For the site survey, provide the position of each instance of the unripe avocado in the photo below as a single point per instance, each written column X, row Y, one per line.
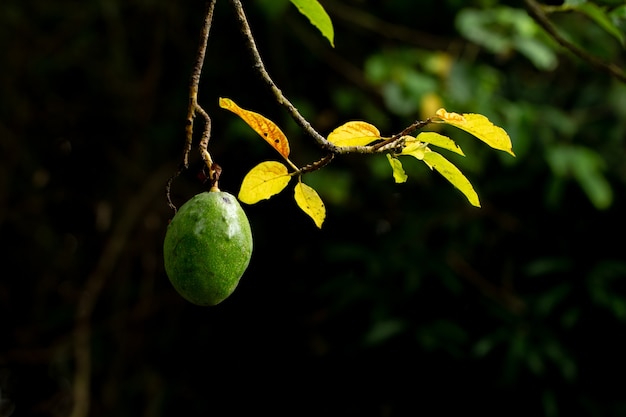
column 207, row 247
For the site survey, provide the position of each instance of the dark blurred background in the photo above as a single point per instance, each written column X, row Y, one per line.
column 408, row 301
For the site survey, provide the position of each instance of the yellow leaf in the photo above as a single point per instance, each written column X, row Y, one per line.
column 398, row 172
column 452, row 174
column 262, row 125
column 415, row 148
column 354, row 133
column 263, row 181
column 449, row 117
column 310, row 202
column 479, row 126
column 441, row 141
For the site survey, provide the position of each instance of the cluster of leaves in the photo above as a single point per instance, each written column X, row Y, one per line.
column 610, row 15
column 271, row 177
column 503, row 29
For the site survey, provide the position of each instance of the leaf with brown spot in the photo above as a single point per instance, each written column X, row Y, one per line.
column 267, row 129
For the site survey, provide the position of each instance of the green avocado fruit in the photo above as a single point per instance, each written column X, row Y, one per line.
column 207, row 247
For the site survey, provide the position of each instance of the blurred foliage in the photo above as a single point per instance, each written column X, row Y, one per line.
column 406, row 300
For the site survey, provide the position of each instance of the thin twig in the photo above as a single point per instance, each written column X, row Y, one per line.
column 536, row 12
column 194, row 108
column 282, row 100
column 280, row 97
column 385, row 146
column 194, row 87
column 414, row 126
column 500, row 295
column 325, row 160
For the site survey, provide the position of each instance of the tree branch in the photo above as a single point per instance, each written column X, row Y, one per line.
column 193, row 92
column 536, row 12
column 194, row 108
column 391, row 142
column 282, row 100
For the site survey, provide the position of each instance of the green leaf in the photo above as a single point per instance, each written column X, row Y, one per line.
column 314, row 11
column 310, row 202
column 398, row 172
column 263, row 181
column 574, row 3
column 503, row 29
column 600, row 16
column 586, row 166
column 452, row 174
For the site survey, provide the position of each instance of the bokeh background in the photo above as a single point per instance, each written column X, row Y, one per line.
column 407, row 302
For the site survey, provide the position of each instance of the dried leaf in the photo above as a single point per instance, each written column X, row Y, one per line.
column 267, row 129
column 479, row 126
column 354, row 133
column 310, row 202
column 263, row 181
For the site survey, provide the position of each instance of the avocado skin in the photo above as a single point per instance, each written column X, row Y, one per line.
column 207, row 247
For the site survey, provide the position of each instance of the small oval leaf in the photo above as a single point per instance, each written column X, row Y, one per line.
column 263, row 181
column 310, row 202
column 354, row 133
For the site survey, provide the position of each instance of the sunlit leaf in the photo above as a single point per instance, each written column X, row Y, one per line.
column 452, row 174
column 354, row 133
column 398, row 172
column 440, row 141
column 262, row 125
column 479, row 126
column 314, row 11
column 263, row 181
column 415, row 148
column 310, row 202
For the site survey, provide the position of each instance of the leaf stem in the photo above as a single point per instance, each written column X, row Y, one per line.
column 395, row 139
column 316, row 165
